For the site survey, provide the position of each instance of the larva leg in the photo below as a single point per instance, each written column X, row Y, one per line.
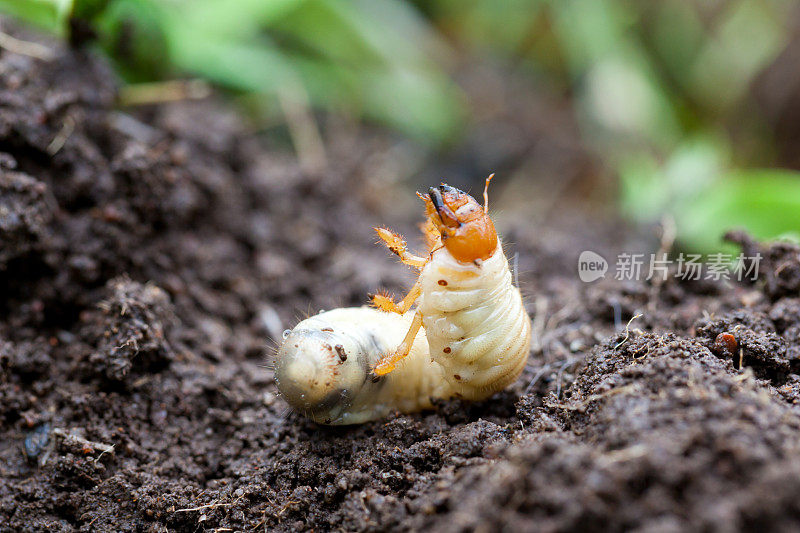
column 386, row 303
column 387, row 364
column 430, row 234
column 396, row 244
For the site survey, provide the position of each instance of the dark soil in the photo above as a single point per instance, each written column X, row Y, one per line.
column 147, row 259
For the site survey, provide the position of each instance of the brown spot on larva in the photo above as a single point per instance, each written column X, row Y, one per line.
column 327, row 347
column 458, row 378
column 327, row 329
column 443, row 282
column 447, row 349
column 296, row 345
column 342, row 354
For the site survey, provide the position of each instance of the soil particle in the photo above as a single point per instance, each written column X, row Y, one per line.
column 24, row 213
column 129, row 326
column 757, row 343
column 779, row 263
column 785, row 313
column 792, row 338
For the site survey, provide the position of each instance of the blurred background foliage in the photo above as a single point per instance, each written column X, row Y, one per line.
column 671, row 95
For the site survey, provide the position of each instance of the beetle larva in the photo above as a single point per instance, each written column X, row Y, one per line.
column 350, row 365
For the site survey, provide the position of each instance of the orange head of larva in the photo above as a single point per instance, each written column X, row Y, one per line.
column 466, row 229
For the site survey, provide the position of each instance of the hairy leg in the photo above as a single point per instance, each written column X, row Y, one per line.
column 388, row 363
column 431, row 235
column 386, row 303
column 398, row 245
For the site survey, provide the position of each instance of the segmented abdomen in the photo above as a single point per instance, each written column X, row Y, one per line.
column 475, row 322
column 324, row 367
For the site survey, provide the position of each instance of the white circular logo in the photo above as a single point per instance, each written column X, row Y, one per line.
column 591, row 266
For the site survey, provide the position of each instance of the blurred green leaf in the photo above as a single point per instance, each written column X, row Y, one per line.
column 48, row 14
column 241, row 20
column 500, row 26
column 678, row 35
column 746, row 38
column 623, row 101
column 377, row 58
column 131, row 33
column 650, row 188
column 765, row 202
column 589, row 30
column 625, row 107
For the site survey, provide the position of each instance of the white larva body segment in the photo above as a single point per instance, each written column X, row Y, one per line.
column 475, row 322
column 324, row 367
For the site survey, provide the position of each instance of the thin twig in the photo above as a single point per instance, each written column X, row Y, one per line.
column 539, row 323
column 104, row 448
column 627, row 331
column 549, row 366
column 564, row 366
column 25, row 48
column 163, row 91
column 536, row 377
column 61, row 137
column 668, row 234
column 303, row 127
column 594, row 397
column 206, row 506
column 617, row 314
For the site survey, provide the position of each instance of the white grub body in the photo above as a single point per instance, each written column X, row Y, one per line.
column 475, row 342
column 324, row 367
column 476, row 325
